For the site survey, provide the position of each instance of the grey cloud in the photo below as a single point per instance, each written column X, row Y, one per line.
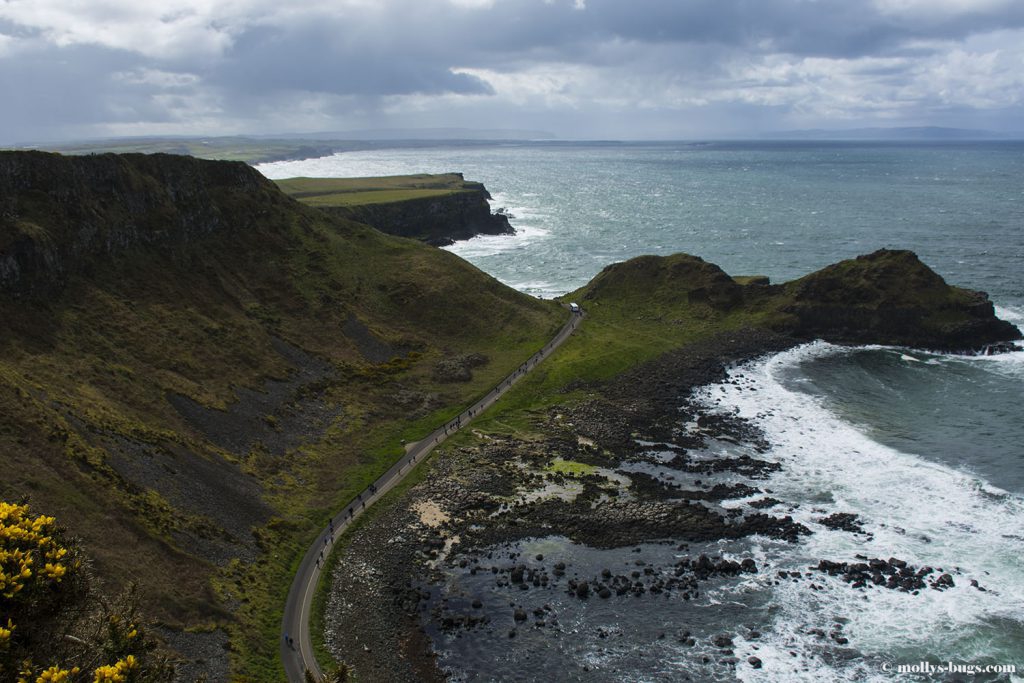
column 355, row 61
column 56, row 88
column 837, row 28
column 325, row 59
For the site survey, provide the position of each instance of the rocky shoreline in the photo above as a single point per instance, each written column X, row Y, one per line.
column 581, row 480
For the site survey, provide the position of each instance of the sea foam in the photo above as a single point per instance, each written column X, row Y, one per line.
column 913, row 509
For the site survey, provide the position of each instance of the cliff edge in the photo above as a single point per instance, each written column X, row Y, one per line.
column 436, row 209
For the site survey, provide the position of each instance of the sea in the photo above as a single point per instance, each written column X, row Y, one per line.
column 927, row 449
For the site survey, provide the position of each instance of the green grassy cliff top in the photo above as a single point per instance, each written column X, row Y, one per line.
column 326, row 192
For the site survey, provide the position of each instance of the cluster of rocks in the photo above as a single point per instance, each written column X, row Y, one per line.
column 684, row 576
column 835, row 634
column 458, row 368
column 843, row 521
column 893, row 573
column 724, row 642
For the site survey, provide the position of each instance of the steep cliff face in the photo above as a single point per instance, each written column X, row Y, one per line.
column 59, row 214
column 438, row 220
column 433, row 208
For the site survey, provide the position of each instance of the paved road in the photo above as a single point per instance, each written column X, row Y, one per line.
column 297, row 656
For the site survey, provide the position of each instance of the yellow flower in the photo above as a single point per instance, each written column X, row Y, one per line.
column 55, row 571
column 55, row 674
column 108, row 673
column 115, row 673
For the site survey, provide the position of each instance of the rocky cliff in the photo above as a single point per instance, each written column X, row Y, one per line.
column 60, row 214
column 438, row 220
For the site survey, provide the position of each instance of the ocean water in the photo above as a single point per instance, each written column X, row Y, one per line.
column 926, row 449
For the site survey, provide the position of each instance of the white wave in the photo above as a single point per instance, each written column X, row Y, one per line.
column 366, row 164
column 1010, row 314
column 919, row 511
column 490, row 245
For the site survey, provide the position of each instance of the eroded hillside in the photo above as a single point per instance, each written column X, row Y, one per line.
column 195, row 369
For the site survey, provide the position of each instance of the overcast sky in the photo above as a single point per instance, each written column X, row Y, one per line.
column 577, row 68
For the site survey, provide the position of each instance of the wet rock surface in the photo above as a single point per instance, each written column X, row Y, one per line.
column 893, row 573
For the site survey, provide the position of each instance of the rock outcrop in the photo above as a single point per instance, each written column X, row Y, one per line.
column 887, row 297
column 891, row 297
column 438, row 220
column 679, row 277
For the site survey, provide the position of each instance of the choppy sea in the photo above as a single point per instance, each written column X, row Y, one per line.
column 926, row 449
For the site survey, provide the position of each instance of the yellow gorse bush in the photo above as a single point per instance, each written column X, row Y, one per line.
column 5, row 633
column 40, row 576
column 25, row 544
column 55, row 674
column 30, row 563
column 118, row 672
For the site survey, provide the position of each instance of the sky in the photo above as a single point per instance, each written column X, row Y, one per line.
column 578, row 69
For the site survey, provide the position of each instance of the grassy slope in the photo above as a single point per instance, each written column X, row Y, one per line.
column 636, row 311
column 92, row 366
column 326, row 192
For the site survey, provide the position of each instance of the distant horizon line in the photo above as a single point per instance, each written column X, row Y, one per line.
column 863, row 134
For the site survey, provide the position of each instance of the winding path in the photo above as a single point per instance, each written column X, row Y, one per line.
column 298, row 656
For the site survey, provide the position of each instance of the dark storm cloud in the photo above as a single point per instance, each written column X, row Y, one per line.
column 835, row 28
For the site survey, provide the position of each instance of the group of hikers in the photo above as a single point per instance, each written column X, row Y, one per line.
column 450, row 427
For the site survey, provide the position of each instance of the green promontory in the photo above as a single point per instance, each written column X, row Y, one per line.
column 887, row 297
column 436, row 209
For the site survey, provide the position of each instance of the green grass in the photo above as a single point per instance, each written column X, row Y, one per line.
column 570, row 467
column 329, row 192
column 750, row 279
